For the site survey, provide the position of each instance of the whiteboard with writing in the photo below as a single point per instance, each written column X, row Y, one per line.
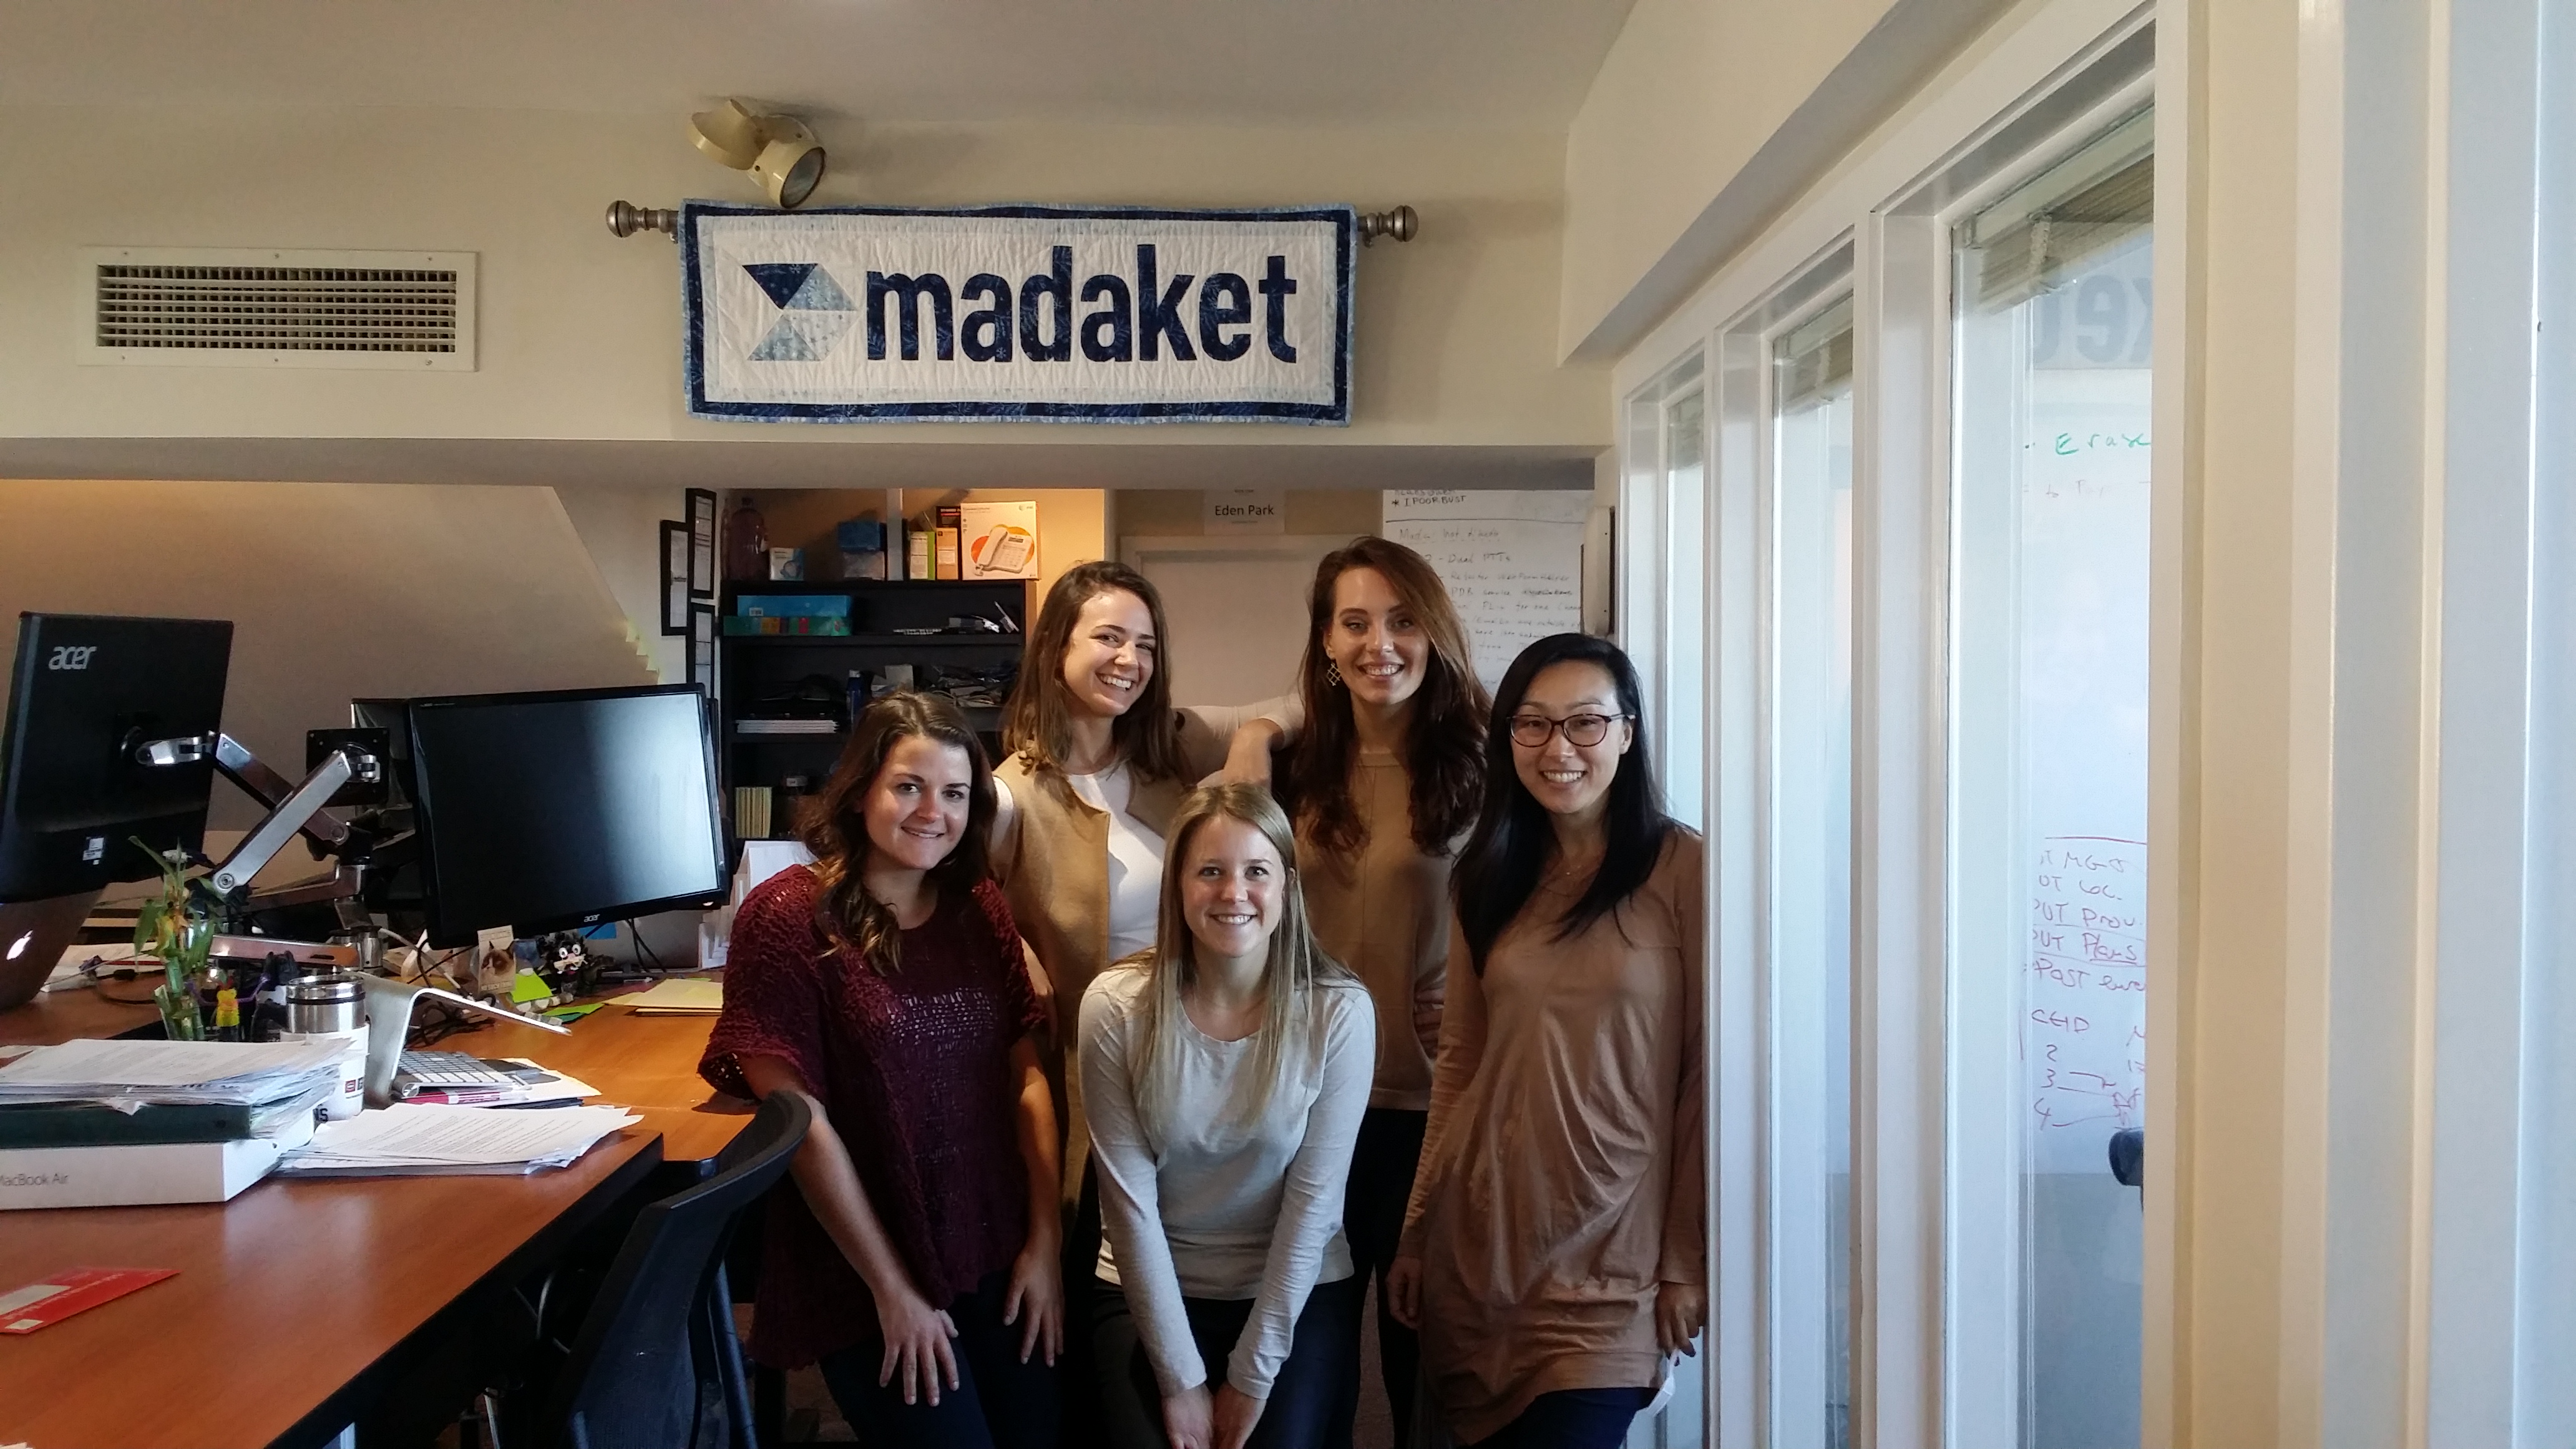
column 2083, row 673
column 1512, row 561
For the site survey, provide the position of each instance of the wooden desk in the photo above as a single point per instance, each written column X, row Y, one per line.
column 647, row 1063
column 292, row 1305
column 61, row 1016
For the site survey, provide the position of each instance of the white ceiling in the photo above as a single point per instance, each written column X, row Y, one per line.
column 1502, row 64
column 833, row 460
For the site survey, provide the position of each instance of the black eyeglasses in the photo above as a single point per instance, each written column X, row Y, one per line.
column 1530, row 731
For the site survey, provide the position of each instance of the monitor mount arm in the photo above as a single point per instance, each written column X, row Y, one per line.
column 294, row 809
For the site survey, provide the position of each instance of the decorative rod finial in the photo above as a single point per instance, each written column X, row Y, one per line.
column 1400, row 224
column 625, row 219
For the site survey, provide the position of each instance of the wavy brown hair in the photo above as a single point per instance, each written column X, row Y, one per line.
column 1038, row 720
column 1444, row 752
column 835, row 824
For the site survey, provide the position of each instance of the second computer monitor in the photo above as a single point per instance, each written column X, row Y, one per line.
column 546, row 811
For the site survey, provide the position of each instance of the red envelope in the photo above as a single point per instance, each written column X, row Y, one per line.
column 60, row 1295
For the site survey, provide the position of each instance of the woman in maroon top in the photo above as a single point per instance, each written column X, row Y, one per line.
column 917, row 1259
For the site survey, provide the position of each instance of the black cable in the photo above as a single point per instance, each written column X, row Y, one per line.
column 644, row 953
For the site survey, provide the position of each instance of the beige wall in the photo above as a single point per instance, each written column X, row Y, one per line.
column 335, row 591
column 580, row 330
column 1707, row 118
column 621, row 530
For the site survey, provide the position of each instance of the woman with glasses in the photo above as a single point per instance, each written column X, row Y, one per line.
column 1552, row 1252
column 1383, row 782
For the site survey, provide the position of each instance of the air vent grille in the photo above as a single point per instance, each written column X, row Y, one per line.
column 302, row 309
column 312, row 309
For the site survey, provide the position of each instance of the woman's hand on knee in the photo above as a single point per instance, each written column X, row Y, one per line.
column 1404, row 1292
column 1681, row 1311
column 1188, row 1418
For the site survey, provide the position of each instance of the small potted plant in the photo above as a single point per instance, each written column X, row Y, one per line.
column 177, row 929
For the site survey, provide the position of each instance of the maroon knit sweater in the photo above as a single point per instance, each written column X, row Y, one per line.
column 914, row 1069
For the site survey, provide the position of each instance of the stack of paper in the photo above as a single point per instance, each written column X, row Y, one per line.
column 680, row 996
column 410, row 1140
column 113, row 1123
column 246, row 1074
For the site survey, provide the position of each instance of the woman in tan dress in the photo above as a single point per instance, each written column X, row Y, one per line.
column 1383, row 781
column 1553, row 1254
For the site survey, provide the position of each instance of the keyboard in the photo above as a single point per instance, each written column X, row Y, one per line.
column 448, row 1071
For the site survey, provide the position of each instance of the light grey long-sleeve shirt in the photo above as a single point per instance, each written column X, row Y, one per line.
column 1223, row 1208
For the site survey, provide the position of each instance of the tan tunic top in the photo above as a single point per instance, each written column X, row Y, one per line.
column 1561, row 1181
column 1054, row 868
column 1385, row 914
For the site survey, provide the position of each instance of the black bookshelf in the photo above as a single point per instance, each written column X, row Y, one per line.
column 753, row 671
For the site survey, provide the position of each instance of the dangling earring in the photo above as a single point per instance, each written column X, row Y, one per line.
column 1333, row 673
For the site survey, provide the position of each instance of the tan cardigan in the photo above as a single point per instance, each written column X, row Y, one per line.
column 1384, row 912
column 1561, row 1181
column 1054, row 868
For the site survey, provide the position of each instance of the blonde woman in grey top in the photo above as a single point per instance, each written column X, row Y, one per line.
column 1226, row 1073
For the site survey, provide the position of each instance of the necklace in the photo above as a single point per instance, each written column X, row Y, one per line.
column 1573, row 870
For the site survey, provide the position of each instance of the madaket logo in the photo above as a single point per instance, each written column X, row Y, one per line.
column 71, row 656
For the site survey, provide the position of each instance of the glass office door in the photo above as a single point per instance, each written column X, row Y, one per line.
column 2048, row 795
column 1807, row 879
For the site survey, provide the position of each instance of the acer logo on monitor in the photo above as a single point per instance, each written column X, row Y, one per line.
column 71, row 656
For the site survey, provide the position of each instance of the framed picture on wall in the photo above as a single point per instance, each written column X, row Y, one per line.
column 702, row 543
column 702, row 648
column 675, row 577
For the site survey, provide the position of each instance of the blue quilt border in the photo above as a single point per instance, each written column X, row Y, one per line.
column 1336, row 413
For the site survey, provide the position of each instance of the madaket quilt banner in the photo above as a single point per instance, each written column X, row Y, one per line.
column 1056, row 313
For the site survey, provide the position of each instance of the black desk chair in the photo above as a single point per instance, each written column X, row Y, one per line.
column 662, row 1324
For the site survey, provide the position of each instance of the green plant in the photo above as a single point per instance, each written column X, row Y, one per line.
column 177, row 929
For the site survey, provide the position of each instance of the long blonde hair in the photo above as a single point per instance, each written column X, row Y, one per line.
column 1293, row 979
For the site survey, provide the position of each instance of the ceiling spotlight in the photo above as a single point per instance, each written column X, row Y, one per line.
column 780, row 152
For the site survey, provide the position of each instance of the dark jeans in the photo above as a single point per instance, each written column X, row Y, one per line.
column 1572, row 1419
column 1314, row 1389
column 999, row 1402
column 1080, row 1379
column 1382, row 1164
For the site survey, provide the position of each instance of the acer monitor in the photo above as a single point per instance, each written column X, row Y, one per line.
column 87, row 694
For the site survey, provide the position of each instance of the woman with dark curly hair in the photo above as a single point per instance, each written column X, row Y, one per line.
column 918, row 1259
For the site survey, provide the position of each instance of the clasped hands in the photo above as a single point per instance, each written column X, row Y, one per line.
column 1197, row 1419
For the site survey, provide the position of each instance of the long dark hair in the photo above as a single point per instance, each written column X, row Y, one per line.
column 1445, row 750
column 836, row 827
column 1498, row 872
column 1037, row 722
